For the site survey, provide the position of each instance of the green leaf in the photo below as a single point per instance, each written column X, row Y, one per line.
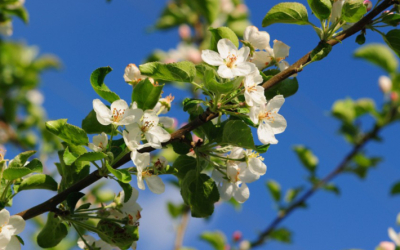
column 67, row 132
column 274, row 189
column 92, row 126
column 174, row 72
column 321, row 8
column 91, row 156
column 15, row 173
column 20, row 160
column 392, row 39
column 68, row 157
column 38, row 181
column 344, row 110
column 216, row 239
column 307, row 158
column 52, row 233
column 209, row 9
column 122, row 175
column 127, row 190
column 353, row 10
column 35, row 166
column 282, row 235
column 287, row 87
column 379, row 55
column 200, row 192
column 330, row 187
column 72, row 199
column 238, row 133
column 360, row 39
column 97, row 81
column 220, row 33
column 184, row 164
column 19, row 12
column 220, row 88
column 294, row 13
column 391, row 18
column 146, row 95
column 292, row 193
column 262, row 148
column 116, row 235
column 321, row 51
column 395, row 189
column 176, row 210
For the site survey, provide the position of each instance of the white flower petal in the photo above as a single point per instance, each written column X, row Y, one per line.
column 14, row 244
column 103, row 120
column 119, row 105
column 226, row 48
column 156, row 185
column 243, row 54
column 131, row 116
column 266, row 134
column 4, row 217
column 217, row 176
column 275, row 104
column 278, row 124
column 256, row 166
column 242, row 193
column 258, row 39
column 140, row 181
column 225, row 72
column 243, row 69
column 89, row 239
column 393, row 236
column 246, row 175
column 141, row 160
column 15, row 225
column 237, row 153
column 211, row 57
column 261, row 59
column 167, row 122
column 226, row 190
column 102, row 110
column 5, row 238
column 254, row 111
column 281, row 50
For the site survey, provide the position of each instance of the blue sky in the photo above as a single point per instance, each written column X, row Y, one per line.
column 89, row 34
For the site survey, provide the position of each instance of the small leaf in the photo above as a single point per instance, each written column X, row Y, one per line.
column 208, row 8
column 122, row 175
column 392, row 38
column 176, row 210
column 127, row 190
column 91, row 156
column 353, row 10
column 174, row 72
column 20, row 160
column 379, row 55
column 35, row 166
column 307, row 158
column 262, row 148
column 360, row 39
column 282, row 235
column 220, row 88
column 331, row 188
column 321, row 8
column 287, row 87
column 321, row 51
column 391, row 18
column 52, row 233
column 97, row 81
column 146, row 95
column 220, row 33
column 67, row 132
column 15, row 173
column 116, row 235
column 184, row 164
column 38, row 181
column 238, row 133
column 274, row 189
column 216, row 239
column 68, row 157
column 292, row 193
column 395, row 189
column 72, row 199
column 293, row 13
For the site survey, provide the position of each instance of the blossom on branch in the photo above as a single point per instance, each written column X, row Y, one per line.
column 10, row 226
column 92, row 242
column 100, row 142
column 257, row 39
column 278, row 53
column 156, row 185
column 119, row 114
column 130, row 209
column 254, row 94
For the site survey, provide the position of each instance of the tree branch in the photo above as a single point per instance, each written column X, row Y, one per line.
column 203, row 118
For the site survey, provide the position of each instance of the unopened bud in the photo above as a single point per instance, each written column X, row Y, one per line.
column 237, row 235
column 368, row 4
column 394, row 97
column 244, row 245
column 385, row 84
column 184, row 32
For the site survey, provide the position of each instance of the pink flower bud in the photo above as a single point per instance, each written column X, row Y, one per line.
column 394, row 96
column 385, row 84
column 368, row 4
column 194, row 56
column 184, row 31
column 386, row 245
column 227, row 247
column 237, row 235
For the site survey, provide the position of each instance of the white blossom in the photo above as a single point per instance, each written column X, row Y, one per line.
column 336, row 10
column 133, row 75
column 130, row 209
column 270, row 122
column 161, row 162
column 395, row 237
column 278, row 53
column 35, row 97
column 254, row 93
column 164, row 105
column 9, row 227
column 91, row 241
column 100, row 142
column 119, row 114
column 385, row 84
column 154, row 182
column 231, row 61
column 257, row 39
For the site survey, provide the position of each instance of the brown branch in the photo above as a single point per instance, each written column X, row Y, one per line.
column 203, row 118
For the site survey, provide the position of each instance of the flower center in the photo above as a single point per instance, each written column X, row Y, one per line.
column 146, row 126
column 254, row 154
column 251, row 88
column 117, row 114
column 146, row 173
column 101, row 145
column 230, row 61
column 266, row 116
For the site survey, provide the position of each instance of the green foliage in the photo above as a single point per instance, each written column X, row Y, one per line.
column 19, row 167
column 287, row 87
column 72, row 199
column 293, row 13
column 208, row 8
column 282, row 235
column 379, row 55
column 216, row 239
column 53, row 232
column 127, row 190
column 97, row 81
column 200, row 193
column 116, row 235
column 38, row 181
column 392, row 19
column 237, row 133
column 274, row 189
column 146, row 95
column 361, row 164
column 173, row 72
column 360, row 39
column 67, row 132
column 92, row 126
column 392, row 39
column 321, row 8
column 292, row 193
column 220, row 33
column 330, row 187
column 184, row 164
column 347, row 110
column 220, row 88
column 122, row 174
column 176, row 210
column 306, row 157
column 321, row 51
column 353, row 10
column 395, row 190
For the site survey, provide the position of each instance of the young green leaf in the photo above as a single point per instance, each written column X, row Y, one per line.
column 287, row 87
column 222, row 32
column 274, row 189
column 395, row 189
column 392, row 39
column 72, row 199
column 52, row 233
column 353, row 10
column 173, row 72
column 321, row 8
column 209, row 9
column 91, row 156
column 220, row 88
column 146, row 95
column 97, row 81
column 113, row 233
column 307, row 158
column 282, row 235
column 127, row 190
column 238, row 133
column 293, row 13
column 321, row 51
column 379, row 55
column 67, row 132
column 184, row 164
column 216, row 239
column 38, row 181
column 122, row 175
column 20, row 160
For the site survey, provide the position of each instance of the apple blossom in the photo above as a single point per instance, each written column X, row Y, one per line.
column 92, row 242
column 385, row 84
column 336, row 12
column 395, row 237
column 164, row 105
column 161, row 162
column 100, row 142
column 278, row 53
column 244, row 245
column 35, row 97
column 254, row 162
column 254, row 94
column 257, row 39
column 231, row 61
column 283, row 65
column 132, row 138
column 154, row 182
column 155, row 135
column 130, row 209
column 184, row 52
column 270, row 122
column 119, row 114
column 9, row 227
column 133, row 75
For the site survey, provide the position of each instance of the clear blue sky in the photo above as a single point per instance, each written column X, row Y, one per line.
column 89, row 34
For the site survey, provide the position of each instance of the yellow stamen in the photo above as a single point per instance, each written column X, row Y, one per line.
column 117, row 114
column 230, row 61
column 255, row 155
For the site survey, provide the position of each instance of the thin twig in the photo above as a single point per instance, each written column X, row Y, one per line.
column 180, row 232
